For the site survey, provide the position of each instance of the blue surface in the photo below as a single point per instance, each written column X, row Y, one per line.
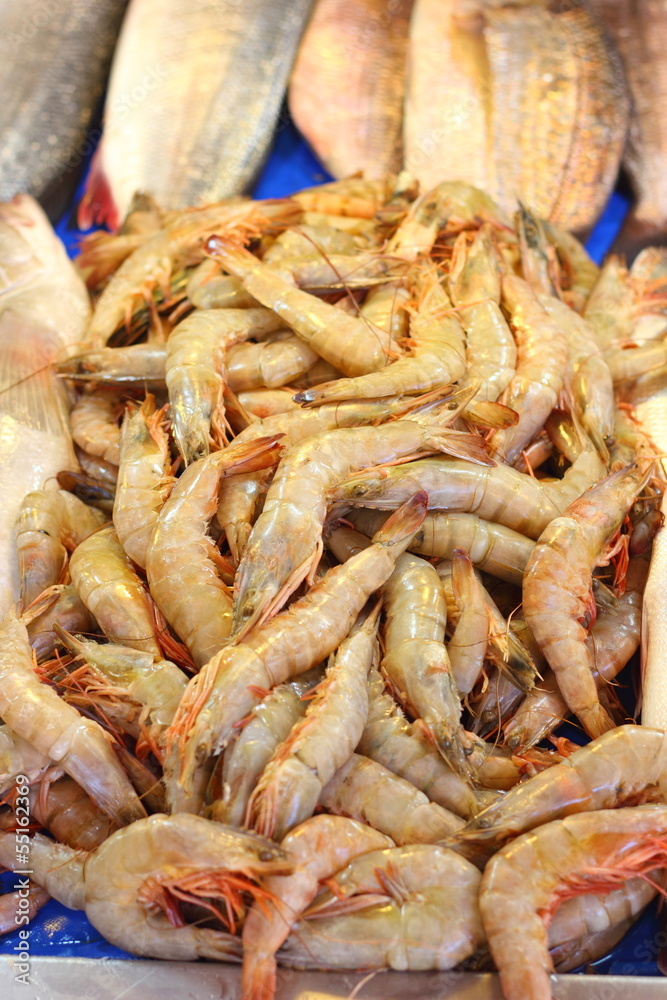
column 58, row 931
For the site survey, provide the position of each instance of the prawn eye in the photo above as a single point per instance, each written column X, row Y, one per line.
column 265, row 855
column 359, row 489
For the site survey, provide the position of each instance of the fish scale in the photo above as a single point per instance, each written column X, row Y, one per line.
column 54, row 58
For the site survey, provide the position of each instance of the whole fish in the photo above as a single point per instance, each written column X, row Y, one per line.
column 446, row 100
column 346, row 89
column 639, row 28
column 560, row 109
column 530, row 102
column 54, row 58
column 44, row 309
column 195, row 93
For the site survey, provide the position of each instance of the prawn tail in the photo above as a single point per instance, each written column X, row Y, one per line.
column 259, row 977
column 235, row 259
column 251, row 456
column 404, row 522
column 484, row 413
column 596, row 720
column 458, row 444
column 516, row 661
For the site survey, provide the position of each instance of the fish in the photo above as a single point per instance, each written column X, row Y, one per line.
column 347, row 86
column 650, row 404
column 446, row 105
column 54, row 61
column 639, row 29
column 44, row 312
column 194, row 96
column 530, row 103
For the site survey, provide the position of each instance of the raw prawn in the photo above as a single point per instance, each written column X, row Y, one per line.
column 35, row 712
column 144, row 482
column 181, row 558
column 292, row 781
column 557, row 601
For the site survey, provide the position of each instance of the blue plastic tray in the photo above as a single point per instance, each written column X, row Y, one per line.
column 59, row 931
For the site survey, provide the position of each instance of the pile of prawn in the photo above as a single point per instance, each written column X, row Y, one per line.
column 363, row 513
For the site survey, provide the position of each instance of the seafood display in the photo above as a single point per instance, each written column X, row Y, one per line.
column 285, row 628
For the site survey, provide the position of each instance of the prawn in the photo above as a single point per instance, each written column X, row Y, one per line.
column 405, row 908
column 447, row 208
column 132, row 886
column 542, row 367
column 268, row 725
column 291, row 783
column 263, row 403
column 34, row 712
column 195, row 367
column 346, row 342
column 614, row 638
column 56, row 867
column 470, row 637
column 403, row 748
column 492, row 547
column 504, row 648
column 144, row 482
column 94, row 424
column 579, row 273
column 157, row 685
column 61, row 604
column 625, row 765
column 495, row 493
column 557, row 602
column 18, row 757
column 368, row 792
column 572, row 856
column 358, row 197
column 269, row 364
column 474, row 285
column 318, row 848
column 240, row 495
column 181, row 558
column 415, row 658
column 69, row 814
column 26, row 901
column 437, row 353
column 593, row 375
column 207, row 288
column 136, row 364
column 113, row 593
column 286, row 541
column 50, row 523
column 224, row 691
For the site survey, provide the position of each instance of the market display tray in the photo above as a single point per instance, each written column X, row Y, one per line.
column 70, row 961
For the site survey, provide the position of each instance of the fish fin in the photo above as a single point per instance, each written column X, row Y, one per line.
column 97, row 204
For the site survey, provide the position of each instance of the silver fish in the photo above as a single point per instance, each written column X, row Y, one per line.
column 195, row 93
column 44, row 310
column 54, row 58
